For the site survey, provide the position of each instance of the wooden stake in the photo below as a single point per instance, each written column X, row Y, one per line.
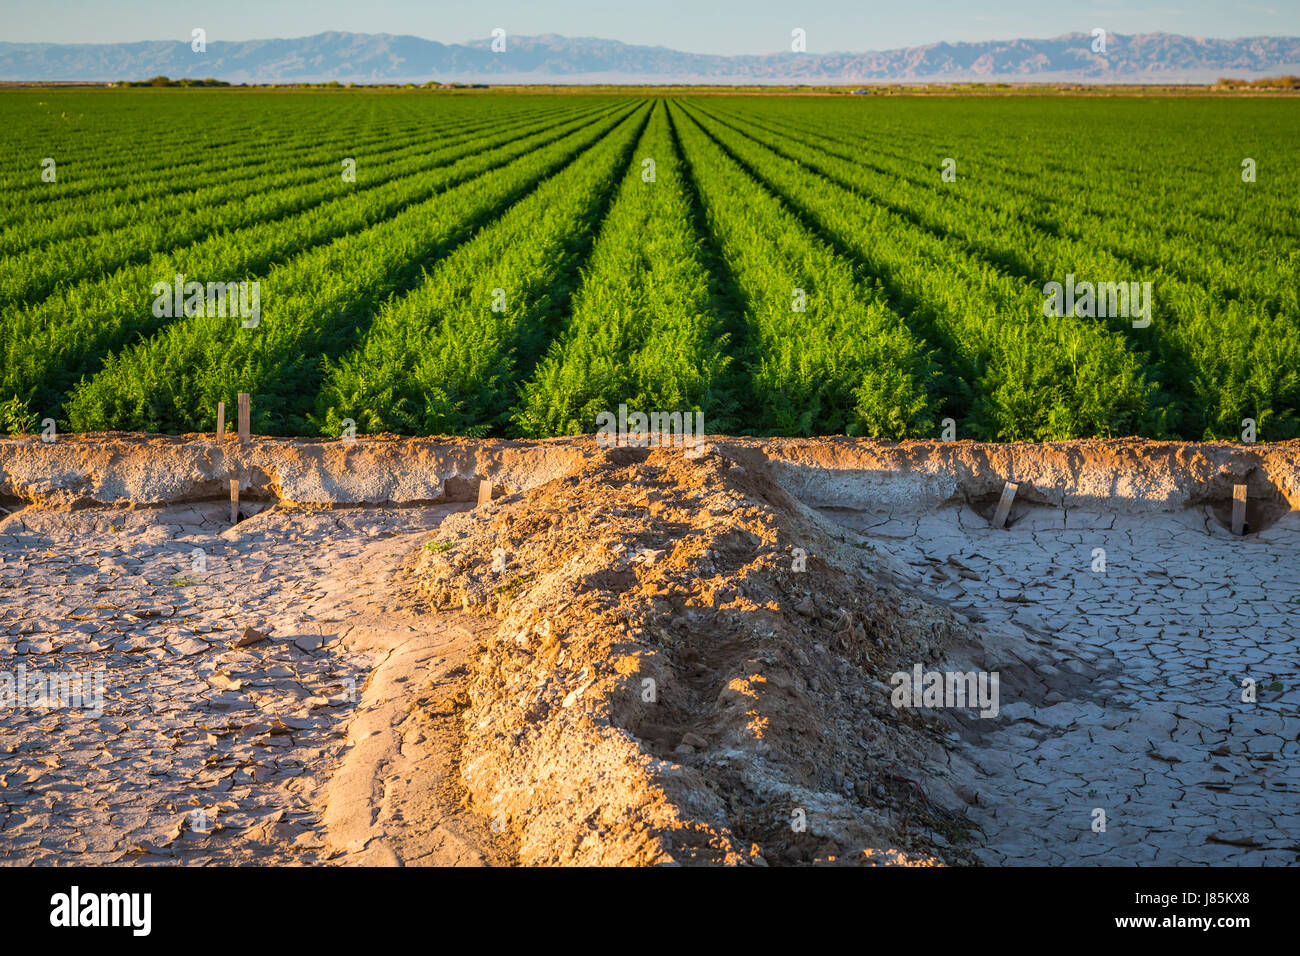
column 1238, row 509
column 234, row 500
column 484, row 492
column 221, row 420
column 1004, row 504
column 244, row 414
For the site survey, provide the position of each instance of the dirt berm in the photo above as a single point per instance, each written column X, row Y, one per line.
column 118, row 468
column 692, row 667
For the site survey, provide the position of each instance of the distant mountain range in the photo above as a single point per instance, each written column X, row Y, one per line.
column 384, row 58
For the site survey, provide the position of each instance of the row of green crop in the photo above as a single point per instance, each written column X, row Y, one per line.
column 317, row 305
column 1151, row 218
column 796, row 266
column 132, row 142
column 99, row 143
column 138, row 176
column 28, row 277
column 1013, row 374
column 1160, row 166
column 975, row 199
column 48, row 347
column 449, row 357
column 1132, row 221
column 1208, row 388
column 645, row 329
column 218, row 184
column 140, row 172
column 825, row 353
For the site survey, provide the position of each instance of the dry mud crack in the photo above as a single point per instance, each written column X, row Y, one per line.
column 647, row 656
column 203, row 751
column 1138, row 707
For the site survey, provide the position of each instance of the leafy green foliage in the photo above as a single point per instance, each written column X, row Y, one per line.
column 449, row 357
column 642, row 330
column 922, row 299
column 16, row 418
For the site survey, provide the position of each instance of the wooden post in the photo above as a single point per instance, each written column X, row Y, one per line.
column 234, row 500
column 1238, row 509
column 221, row 420
column 1004, row 504
column 484, row 492
column 244, row 415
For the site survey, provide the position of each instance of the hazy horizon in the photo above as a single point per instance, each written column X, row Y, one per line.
column 727, row 28
column 565, row 36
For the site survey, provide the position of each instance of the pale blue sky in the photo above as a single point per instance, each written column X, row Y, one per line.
column 700, row 26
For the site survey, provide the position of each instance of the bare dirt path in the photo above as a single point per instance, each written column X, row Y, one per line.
column 207, row 752
column 1162, row 742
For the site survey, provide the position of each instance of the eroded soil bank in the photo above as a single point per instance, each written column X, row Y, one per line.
column 1119, row 474
column 638, row 656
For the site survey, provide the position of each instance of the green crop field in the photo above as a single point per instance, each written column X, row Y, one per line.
column 517, row 264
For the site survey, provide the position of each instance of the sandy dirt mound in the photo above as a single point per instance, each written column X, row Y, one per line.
column 692, row 667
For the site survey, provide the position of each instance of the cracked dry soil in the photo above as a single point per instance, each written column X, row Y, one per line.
column 623, row 666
